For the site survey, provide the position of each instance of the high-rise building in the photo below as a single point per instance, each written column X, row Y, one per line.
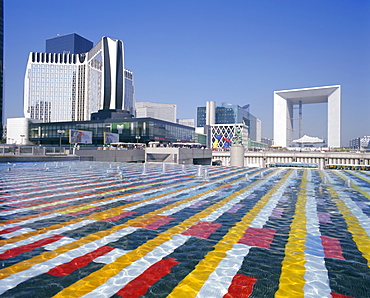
column 69, row 44
column 70, row 87
column 1, row 64
column 360, row 143
column 162, row 111
column 229, row 114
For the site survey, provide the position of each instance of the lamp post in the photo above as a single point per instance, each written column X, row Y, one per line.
column 22, row 136
column 137, row 139
column 60, row 132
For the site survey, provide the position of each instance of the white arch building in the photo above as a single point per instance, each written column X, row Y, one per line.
column 283, row 112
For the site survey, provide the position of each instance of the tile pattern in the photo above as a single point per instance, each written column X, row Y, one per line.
column 122, row 230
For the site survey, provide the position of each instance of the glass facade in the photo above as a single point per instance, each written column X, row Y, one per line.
column 70, row 43
column 148, row 129
column 51, row 91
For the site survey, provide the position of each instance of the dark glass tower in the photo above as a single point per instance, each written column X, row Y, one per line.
column 70, row 43
column 1, row 64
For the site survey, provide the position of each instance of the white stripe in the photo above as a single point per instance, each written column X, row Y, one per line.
column 220, row 211
column 28, row 221
column 17, row 233
column 60, row 242
column 40, row 268
column 219, row 280
column 46, row 234
column 316, row 274
column 111, row 256
column 117, row 282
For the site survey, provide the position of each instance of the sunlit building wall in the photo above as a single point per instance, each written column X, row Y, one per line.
column 70, row 87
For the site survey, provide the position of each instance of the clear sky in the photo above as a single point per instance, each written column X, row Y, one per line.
column 187, row 52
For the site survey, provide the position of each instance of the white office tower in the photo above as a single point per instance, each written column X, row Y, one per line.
column 69, row 87
column 162, row 111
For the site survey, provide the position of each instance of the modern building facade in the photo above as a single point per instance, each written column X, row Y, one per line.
column 68, row 44
column 187, row 122
column 131, row 130
column 284, row 102
column 229, row 114
column 223, row 136
column 70, row 87
column 360, row 143
column 162, row 111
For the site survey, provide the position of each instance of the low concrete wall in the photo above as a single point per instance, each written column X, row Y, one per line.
column 178, row 155
column 24, row 158
column 112, row 155
column 262, row 159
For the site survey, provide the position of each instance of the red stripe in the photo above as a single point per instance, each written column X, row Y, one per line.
column 258, row 237
column 10, row 253
column 9, row 230
column 332, row 248
column 161, row 222
column 119, row 216
column 202, row 229
column 140, row 285
column 68, row 268
column 336, row 295
column 241, row 286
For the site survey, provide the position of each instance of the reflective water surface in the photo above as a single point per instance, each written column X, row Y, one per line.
column 83, row 229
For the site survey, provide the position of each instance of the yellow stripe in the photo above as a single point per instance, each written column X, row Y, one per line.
column 355, row 186
column 76, row 209
column 192, row 283
column 359, row 235
column 359, row 176
column 90, row 238
column 99, row 277
column 291, row 282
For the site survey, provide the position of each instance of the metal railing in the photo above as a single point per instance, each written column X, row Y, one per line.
column 6, row 150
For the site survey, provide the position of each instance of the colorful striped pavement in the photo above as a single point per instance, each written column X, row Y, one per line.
column 95, row 229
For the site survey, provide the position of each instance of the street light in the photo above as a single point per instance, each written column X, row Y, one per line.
column 22, row 136
column 60, row 132
column 137, row 139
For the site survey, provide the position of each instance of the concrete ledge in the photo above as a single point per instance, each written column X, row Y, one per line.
column 20, row 158
column 112, row 155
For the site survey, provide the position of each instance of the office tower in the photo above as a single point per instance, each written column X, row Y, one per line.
column 70, row 43
column 229, row 114
column 1, row 64
column 70, row 87
column 162, row 111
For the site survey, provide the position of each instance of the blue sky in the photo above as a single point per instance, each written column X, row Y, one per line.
column 189, row 52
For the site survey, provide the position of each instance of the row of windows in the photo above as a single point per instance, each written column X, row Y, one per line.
column 57, row 58
column 147, row 129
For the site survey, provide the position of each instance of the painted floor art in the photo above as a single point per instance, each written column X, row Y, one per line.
column 150, row 230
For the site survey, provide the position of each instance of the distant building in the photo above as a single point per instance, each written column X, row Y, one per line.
column 268, row 142
column 64, row 86
column 162, row 111
column 360, row 143
column 187, row 122
column 68, row 44
column 229, row 114
column 223, row 135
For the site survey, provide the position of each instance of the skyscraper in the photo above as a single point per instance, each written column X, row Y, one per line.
column 70, row 43
column 1, row 65
column 70, row 87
